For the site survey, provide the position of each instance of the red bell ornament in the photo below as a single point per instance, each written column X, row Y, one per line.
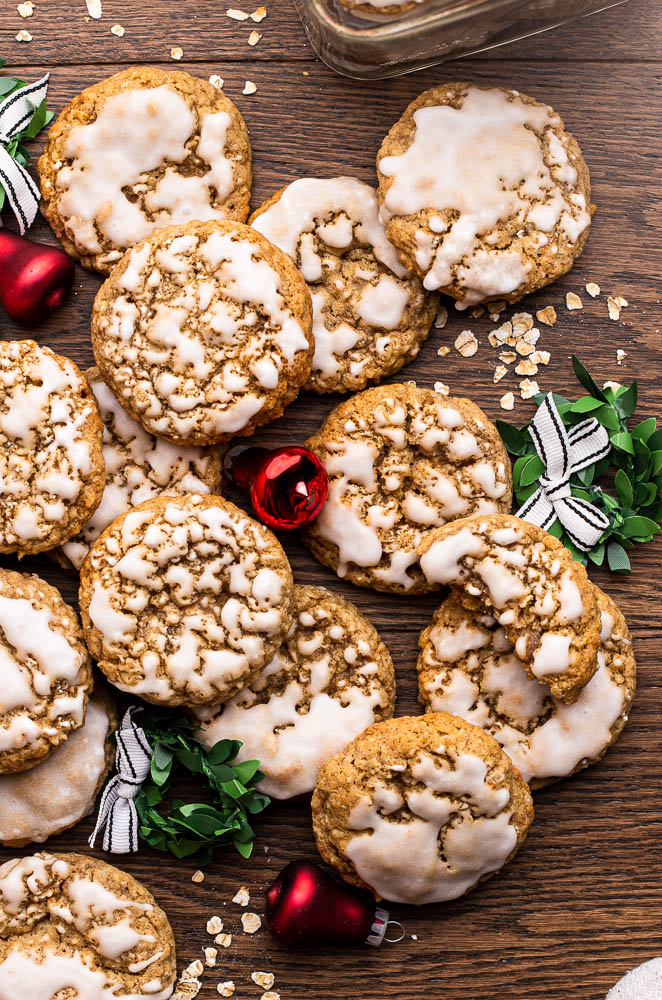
column 304, row 906
column 34, row 279
column 287, row 486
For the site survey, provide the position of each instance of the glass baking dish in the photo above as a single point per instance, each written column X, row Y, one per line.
column 373, row 41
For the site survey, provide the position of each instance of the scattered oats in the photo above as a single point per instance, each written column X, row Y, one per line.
column 93, row 8
column 500, row 336
column 118, row 30
column 573, row 301
column 176, row 53
column 547, row 315
column 263, row 979
column 441, row 318
column 442, row 389
column 540, row 357
column 620, row 354
column 23, row 36
column 507, row 401
column 210, row 957
column 242, row 896
column 305, row 73
column 254, row 37
column 593, row 289
column 524, row 348
column 214, row 925
column 198, row 876
column 225, row 940
column 237, row 15
column 532, row 336
column 499, row 372
column 250, row 922
column 615, row 386
column 249, row 87
column 522, row 322
column 216, row 81
column 613, row 308
column 187, row 989
column 444, row 350
column 466, row 344
column 526, row 367
column 477, row 312
column 528, row 388
column 270, row 995
column 620, row 301
column 414, row 937
column 508, row 357
column 226, row 989
column 26, row 9
column 193, row 970
column 259, row 14
column 494, row 308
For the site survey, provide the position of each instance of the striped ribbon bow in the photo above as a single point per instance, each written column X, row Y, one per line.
column 16, row 112
column 117, row 817
column 563, row 453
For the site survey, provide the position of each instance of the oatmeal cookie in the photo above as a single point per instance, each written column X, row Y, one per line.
column 483, row 192
column 468, row 667
column 72, row 926
column 331, row 678
column 185, row 599
column 370, row 316
column 420, row 809
column 378, row 9
column 530, row 582
column 139, row 467
column 143, row 149
column 46, row 672
column 204, row 331
column 60, row 791
column 51, row 467
column 402, row 460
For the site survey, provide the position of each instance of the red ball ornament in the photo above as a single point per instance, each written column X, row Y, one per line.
column 305, row 906
column 34, row 279
column 287, row 486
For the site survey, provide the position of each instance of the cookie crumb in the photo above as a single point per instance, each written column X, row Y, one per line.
column 225, row 940
column 118, row 30
column 507, row 401
column 226, row 989
column 249, row 87
column 216, row 81
column 242, row 896
column 528, row 388
column 254, row 37
column 442, row 389
column 259, row 14
column 477, row 312
column 176, row 53
column 547, row 315
column 443, row 351
column 593, row 289
column 210, row 957
column 250, row 922
column 237, row 15
column 620, row 354
column 214, row 925
column 499, row 372
column 26, row 9
column 263, row 979
column 466, row 344
column 198, row 876
column 573, row 301
column 441, row 318
column 23, row 36
column 93, row 8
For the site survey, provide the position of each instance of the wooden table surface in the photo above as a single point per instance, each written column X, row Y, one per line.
column 582, row 901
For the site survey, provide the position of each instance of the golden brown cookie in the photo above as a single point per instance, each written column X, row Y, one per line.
column 143, row 149
column 468, row 667
column 331, row 678
column 74, row 926
column 370, row 316
column 51, row 467
column 402, row 460
column 59, row 792
column 529, row 581
column 420, row 809
column 139, row 467
column 483, row 192
column 185, row 599
column 46, row 672
column 204, row 331
column 378, row 9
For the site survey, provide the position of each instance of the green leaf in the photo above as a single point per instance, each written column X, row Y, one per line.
column 608, row 418
column 639, row 526
column 514, row 439
column 656, row 460
column 644, row 430
column 597, row 555
column 531, row 471
column 587, row 380
column 586, row 404
column 623, row 442
column 627, row 401
column 623, row 488
column 617, row 558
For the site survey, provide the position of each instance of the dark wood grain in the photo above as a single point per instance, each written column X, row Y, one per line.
column 581, row 902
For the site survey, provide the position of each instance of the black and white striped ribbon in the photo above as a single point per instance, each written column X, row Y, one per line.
column 564, row 453
column 15, row 114
column 117, row 816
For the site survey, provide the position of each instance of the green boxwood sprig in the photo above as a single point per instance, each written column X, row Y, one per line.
column 41, row 117
column 633, row 469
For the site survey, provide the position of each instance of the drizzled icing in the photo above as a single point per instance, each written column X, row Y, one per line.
column 47, row 449
column 401, row 464
column 185, row 599
column 139, row 467
column 467, row 667
column 198, row 332
column 321, row 690
column 495, row 160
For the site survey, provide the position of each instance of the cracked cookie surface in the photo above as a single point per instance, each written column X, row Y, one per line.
column 420, row 809
column 401, row 460
column 204, row 331
column 185, row 599
column 331, row 678
column 483, row 192
column 143, row 149
column 370, row 316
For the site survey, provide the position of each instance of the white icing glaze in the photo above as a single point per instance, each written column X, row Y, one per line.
column 26, row 975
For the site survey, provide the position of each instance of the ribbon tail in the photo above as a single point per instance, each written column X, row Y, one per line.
column 538, row 509
column 582, row 522
column 22, row 193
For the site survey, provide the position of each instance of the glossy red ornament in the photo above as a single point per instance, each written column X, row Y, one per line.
column 287, row 486
column 305, row 906
column 34, row 279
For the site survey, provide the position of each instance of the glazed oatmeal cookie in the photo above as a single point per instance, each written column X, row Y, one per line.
column 46, row 672
column 143, row 149
column 420, row 809
column 483, row 192
column 331, row 678
column 139, row 467
column 204, row 331
column 402, row 460
column 379, row 9
column 59, row 792
column 530, row 582
column 51, row 466
column 370, row 316
column 72, row 926
column 185, row 599
column 468, row 667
